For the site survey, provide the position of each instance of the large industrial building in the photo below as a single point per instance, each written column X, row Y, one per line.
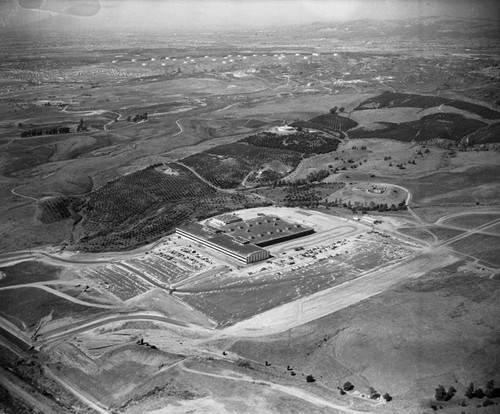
column 243, row 240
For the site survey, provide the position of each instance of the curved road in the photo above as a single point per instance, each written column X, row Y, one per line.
column 62, row 332
column 204, row 179
column 13, row 191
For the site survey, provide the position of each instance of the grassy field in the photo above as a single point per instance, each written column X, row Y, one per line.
column 28, row 272
column 440, row 334
column 454, row 187
column 417, row 232
column 482, row 246
column 27, row 306
column 471, row 221
column 443, row 233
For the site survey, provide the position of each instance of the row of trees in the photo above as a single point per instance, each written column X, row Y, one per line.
column 372, row 206
column 48, row 131
column 374, row 394
column 490, row 391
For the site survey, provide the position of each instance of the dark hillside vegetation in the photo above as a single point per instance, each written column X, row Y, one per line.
column 303, row 142
column 397, row 100
column 486, row 135
column 140, row 207
column 329, row 123
column 227, row 165
column 446, row 126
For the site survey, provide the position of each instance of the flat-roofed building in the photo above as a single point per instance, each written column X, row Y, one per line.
column 266, row 230
column 238, row 248
column 225, row 219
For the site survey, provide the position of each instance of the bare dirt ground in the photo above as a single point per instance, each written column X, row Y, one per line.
column 329, row 301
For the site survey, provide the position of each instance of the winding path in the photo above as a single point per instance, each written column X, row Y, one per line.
column 204, row 179
column 285, row 389
column 13, row 191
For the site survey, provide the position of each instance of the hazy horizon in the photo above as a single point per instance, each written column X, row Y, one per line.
column 210, row 15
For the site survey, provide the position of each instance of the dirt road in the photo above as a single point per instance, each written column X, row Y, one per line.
column 285, row 389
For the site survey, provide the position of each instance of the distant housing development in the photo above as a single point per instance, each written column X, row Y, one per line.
column 243, row 240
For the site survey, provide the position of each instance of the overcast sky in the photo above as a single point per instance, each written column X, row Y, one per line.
column 175, row 15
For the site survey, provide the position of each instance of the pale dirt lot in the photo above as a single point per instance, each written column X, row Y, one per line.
column 331, row 300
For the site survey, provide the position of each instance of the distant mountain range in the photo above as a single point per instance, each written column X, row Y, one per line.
column 82, row 8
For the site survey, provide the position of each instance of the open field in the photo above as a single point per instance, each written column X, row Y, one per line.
column 470, row 221
column 444, row 233
column 28, row 272
column 25, row 307
column 481, row 246
column 371, row 345
column 418, row 233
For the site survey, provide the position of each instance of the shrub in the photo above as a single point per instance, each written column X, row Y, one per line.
column 491, row 391
column 440, row 394
column 244, row 363
column 348, row 386
column 387, row 397
column 310, row 378
column 451, row 392
column 479, row 393
column 374, row 394
column 470, row 392
column 488, row 402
